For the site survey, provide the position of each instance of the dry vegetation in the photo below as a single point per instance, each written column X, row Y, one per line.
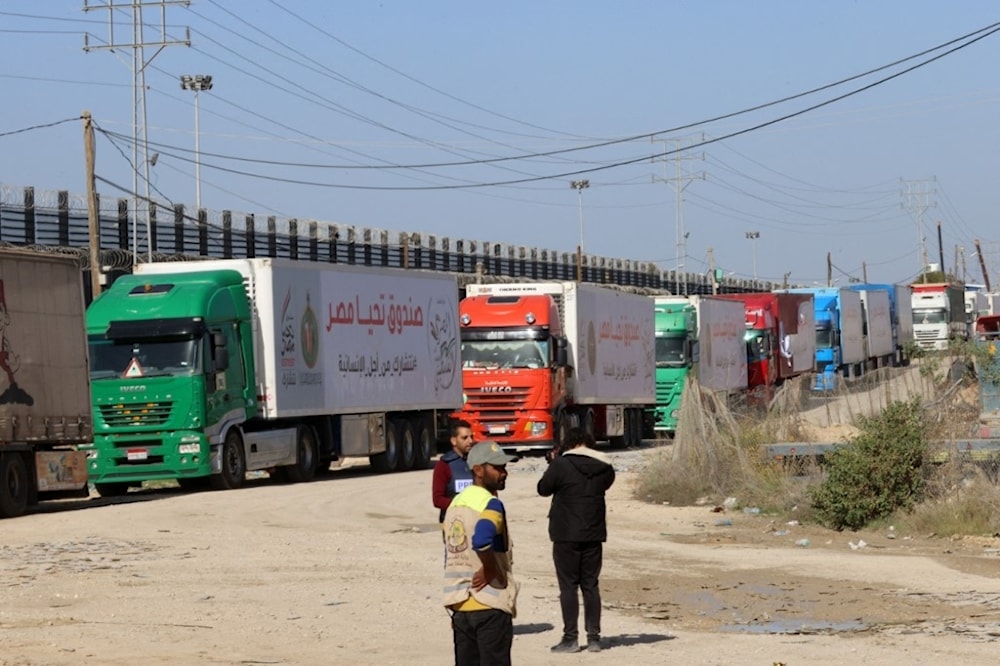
column 717, row 452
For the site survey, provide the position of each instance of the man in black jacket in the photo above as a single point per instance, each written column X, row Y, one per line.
column 576, row 480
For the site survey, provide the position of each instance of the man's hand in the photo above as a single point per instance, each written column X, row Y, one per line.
column 482, row 578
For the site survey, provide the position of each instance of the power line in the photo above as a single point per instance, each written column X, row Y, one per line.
column 41, row 126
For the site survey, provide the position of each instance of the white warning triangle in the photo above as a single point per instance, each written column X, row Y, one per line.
column 133, row 369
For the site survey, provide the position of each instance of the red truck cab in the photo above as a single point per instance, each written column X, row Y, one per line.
column 513, row 368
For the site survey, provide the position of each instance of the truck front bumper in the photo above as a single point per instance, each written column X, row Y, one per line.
column 148, row 456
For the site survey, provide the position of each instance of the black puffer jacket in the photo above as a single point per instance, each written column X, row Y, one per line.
column 577, row 481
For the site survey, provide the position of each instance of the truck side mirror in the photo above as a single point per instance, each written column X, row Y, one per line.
column 220, row 351
column 694, row 353
column 561, row 352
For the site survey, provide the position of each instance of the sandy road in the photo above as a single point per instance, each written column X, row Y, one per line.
column 346, row 570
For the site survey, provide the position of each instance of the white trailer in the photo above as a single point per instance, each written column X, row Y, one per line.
column 879, row 344
column 976, row 306
column 852, row 328
column 610, row 338
column 384, row 357
column 904, row 319
column 45, row 411
column 720, row 355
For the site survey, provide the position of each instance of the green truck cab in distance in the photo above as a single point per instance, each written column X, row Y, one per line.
column 164, row 378
column 676, row 347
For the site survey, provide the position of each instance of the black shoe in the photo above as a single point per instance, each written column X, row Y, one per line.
column 566, row 645
column 593, row 645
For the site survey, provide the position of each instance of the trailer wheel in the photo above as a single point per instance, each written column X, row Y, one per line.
column 385, row 462
column 407, row 447
column 111, row 489
column 636, row 427
column 234, row 464
column 304, row 468
column 589, row 424
column 426, row 443
column 14, row 484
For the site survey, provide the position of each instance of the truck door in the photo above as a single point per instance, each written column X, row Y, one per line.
column 224, row 376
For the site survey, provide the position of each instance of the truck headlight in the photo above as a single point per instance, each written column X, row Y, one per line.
column 675, row 413
column 537, row 428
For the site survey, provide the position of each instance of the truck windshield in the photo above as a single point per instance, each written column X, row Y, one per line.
column 929, row 317
column 670, row 352
column 824, row 337
column 505, row 354
column 146, row 358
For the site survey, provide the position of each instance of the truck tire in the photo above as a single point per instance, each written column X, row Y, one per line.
column 407, row 446
column 306, row 455
column 111, row 489
column 589, row 424
column 234, row 464
column 636, row 427
column 14, row 482
column 385, row 462
column 426, row 443
column 562, row 429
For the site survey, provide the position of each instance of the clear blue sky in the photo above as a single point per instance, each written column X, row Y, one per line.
column 399, row 83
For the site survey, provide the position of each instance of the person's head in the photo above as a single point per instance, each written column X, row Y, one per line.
column 461, row 436
column 576, row 437
column 488, row 463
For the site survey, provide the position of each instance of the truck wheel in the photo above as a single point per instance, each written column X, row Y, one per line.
column 407, row 447
column 426, row 444
column 111, row 489
column 589, row 424
column 385, row 462
column 304, row 468
column 14, row 484
column 562, row 428
column 234, row 464
column 636, row 427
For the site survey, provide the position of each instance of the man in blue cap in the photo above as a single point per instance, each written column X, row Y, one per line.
column 479, row 587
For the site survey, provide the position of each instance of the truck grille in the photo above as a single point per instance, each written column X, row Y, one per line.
column 497, row 409
column 664, row 391
column 931, row 335
column 138, row 414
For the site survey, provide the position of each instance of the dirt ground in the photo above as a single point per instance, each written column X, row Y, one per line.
column 347, row 570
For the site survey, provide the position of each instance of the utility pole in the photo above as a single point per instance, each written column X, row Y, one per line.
column 711, row 271
column 680, row 182
column 93, row 225
column 864, row 271
column 982, row 265
column 580, row 186
column 829, row 270
column 917, row 195
column 941, row 252
column 138, row 43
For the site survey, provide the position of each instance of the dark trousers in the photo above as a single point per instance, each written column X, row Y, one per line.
column 482, row 637
column 578, row 566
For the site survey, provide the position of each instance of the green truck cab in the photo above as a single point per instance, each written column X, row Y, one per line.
column 676, row 342
column 170, row 366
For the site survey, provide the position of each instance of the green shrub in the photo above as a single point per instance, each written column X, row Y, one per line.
column 878, row 472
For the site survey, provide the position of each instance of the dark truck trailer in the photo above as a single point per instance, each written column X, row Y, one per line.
column 45, row 411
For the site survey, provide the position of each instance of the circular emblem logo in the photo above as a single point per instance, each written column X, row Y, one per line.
column 309, row 334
